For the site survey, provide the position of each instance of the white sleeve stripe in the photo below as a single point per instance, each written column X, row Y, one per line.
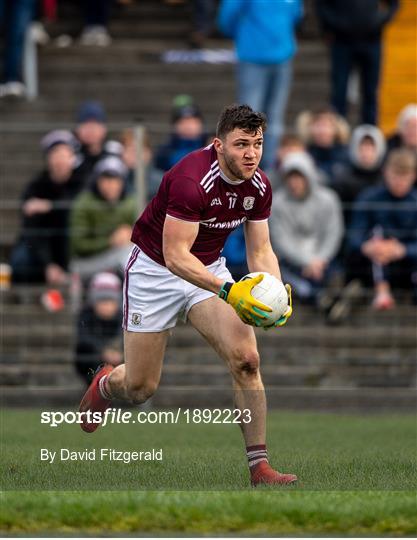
column 181, row 219
column 257, row 220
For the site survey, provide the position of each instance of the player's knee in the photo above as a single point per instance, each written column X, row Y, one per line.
column 139, row 393
column 245, row 364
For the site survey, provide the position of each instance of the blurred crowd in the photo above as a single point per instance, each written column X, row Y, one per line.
column 344, row 214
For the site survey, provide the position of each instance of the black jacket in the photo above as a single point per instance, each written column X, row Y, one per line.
column 47, row 234
column 94, row 335
column 355, row 19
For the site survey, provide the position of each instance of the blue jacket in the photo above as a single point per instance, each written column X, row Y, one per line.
column 376, row 208
column 263, row 30
column 171, row 153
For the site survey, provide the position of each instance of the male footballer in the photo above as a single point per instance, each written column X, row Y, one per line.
column 175, row 270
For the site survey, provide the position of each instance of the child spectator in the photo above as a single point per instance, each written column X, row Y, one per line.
column 153, row 176
column 99, row 336
column 366, row 155
column 383, row 232
column 42, row 251
column 289, row 145
column 306, row 227
column 101, row 221
column 92, row 133
column 406, row 135
column 325, row 135
column 188, row 135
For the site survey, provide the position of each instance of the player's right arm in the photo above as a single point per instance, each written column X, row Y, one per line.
column 178, row 238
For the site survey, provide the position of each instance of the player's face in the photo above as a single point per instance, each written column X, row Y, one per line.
column 240, row 153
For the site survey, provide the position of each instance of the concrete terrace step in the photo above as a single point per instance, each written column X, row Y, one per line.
column 294, row 398
column 312, row 376
column 204, row 357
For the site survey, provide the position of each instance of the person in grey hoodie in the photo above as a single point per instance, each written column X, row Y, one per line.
column 366, row 156
column 306, row 226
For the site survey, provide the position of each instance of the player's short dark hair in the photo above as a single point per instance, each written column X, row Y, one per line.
column 242, row 117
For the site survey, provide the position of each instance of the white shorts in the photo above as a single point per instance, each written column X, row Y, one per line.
column 154, row 298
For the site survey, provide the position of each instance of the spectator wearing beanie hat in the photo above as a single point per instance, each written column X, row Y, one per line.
column 99, row 338
column 91, row 131
column 42, row 250
column 101, row 221
column 188, row 134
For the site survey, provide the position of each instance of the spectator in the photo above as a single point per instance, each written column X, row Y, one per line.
column 15, row 18
column 101, row 221
column 264, row 35
column 353, row 30
column 325, row 135
column 306, row 227
column 42, row 251
column 92, row 134
column 188, row 135
column 406, row 135
column 366, row 155
column 97, row 14
column 235, row 253
column 153, row 176
column 289, row 144
column 383, row 233
column 99, row 339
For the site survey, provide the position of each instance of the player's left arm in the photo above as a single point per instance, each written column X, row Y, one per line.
column 259, row 253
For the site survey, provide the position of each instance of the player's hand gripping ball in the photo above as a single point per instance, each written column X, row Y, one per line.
column 239, row 296
column 272, row 292
column 259, row 299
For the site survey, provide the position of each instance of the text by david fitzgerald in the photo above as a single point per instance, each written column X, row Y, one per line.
column 100, row 454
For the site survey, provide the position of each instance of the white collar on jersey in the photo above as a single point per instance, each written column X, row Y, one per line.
column 226, row 179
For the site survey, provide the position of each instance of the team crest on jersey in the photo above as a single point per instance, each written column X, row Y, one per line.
column 136, row 318
column 248, row 203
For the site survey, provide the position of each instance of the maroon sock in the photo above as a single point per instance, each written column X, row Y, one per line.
column 256, row 454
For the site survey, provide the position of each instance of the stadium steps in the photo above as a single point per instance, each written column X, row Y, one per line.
column 368, row 364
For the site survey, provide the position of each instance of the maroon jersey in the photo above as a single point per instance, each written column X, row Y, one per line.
column 196, row 190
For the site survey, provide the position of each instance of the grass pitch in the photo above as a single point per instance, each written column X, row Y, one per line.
column 357, row 476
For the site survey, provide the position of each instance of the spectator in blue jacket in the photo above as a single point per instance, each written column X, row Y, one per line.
column 383, row 232
column 264, row 35
column 188, row 135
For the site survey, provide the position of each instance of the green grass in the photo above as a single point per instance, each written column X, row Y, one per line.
column 357, row 476
column 200, row 513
